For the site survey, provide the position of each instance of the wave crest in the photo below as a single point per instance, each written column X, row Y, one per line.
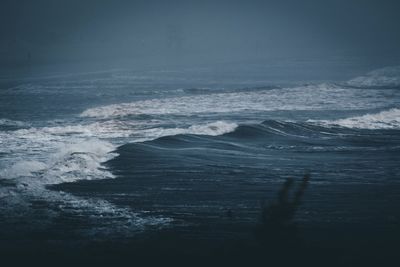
column 309, row 97
column 389, row 119
column 212, row 129
column 385, row 77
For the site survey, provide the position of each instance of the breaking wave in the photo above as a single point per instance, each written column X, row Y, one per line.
column 56, row 160
column 77, row 152
column 310, row 97
column 389, row 119
column 385, row 77
column 211, row 129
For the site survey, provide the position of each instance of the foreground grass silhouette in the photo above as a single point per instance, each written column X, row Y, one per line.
column 277, row 227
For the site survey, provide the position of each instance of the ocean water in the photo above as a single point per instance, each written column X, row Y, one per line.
column 116, row 153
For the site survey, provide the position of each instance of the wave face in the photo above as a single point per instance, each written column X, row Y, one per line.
column 115, row 140
column 195, row 177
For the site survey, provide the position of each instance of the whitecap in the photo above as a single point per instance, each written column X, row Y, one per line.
column 310, row 97
column 212, row 129
column 389, row 119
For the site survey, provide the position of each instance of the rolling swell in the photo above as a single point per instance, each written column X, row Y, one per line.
column 194, row 178
column 287, row 129
column 185, row 157
column 291, row 145
column 275, row 134
column 267, row 131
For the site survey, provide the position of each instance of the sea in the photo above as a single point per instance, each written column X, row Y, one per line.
column 120, row 153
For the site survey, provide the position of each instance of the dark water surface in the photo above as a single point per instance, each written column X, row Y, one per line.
column 189, row 160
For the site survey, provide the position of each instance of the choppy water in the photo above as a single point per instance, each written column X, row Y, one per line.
column 114, row 153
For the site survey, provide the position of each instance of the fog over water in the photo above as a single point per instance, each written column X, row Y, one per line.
column 104, row 33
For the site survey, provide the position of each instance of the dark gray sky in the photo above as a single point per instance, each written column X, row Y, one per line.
column 195, row 32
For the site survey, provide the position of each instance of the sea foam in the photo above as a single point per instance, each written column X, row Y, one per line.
column 310, row 97
column 389, row 119
column 212, row 129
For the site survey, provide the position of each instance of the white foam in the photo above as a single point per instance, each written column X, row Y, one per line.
column 75, row 152
column 312, row 97
column 81, row 160
column 389, row 119
column 23, row 168
column 61, row 134
column 213, row 129
column 60, row 157
column 56, row 154
column 102, row 219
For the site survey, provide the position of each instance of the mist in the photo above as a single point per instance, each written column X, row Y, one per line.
column 139, row 34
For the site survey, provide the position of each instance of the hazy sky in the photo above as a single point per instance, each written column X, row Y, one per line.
column 195, row 32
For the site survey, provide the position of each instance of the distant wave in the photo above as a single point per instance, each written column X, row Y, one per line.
column 12, row 123
column 385, row 77
column 309, row 97
column 389, row 119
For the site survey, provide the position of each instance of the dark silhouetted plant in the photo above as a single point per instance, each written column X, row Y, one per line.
column 277, row 228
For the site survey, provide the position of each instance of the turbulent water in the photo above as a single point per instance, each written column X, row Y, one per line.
column 113, row 153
